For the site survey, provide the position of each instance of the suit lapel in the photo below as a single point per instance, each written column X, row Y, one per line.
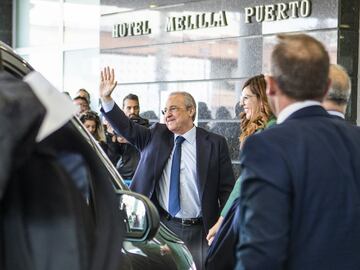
column 163, row 152
column 203, row 151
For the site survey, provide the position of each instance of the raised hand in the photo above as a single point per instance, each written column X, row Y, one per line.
column 107, row 83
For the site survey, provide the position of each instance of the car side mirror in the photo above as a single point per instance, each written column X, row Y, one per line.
column 139, row 216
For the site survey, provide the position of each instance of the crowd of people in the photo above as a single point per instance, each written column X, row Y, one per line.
column 122, row 154
column 295, row 204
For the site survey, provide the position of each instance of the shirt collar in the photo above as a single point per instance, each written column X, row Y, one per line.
column 189, row 136
column 336, row 113
column 289, row 110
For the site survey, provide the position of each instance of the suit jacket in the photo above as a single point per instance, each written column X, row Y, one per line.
column 300, row 195
column 335, row 114
column 215, row 177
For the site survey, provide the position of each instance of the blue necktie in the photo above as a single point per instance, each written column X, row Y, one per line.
column 174, row 192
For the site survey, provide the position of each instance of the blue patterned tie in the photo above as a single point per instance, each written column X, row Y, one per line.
column 174, row 192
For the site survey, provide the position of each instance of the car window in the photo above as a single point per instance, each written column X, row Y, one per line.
column 12, row 63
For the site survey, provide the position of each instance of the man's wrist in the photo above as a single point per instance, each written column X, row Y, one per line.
column 106, row 99
column 107, row 105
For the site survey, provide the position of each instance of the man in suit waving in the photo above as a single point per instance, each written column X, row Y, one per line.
column 185, row 170
column 300, row 189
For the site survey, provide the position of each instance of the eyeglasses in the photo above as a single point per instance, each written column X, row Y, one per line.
column 245, row 98
column 171, row 109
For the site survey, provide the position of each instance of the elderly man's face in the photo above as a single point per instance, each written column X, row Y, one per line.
column 178, row 118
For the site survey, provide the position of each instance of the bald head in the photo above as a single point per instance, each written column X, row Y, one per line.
column 339, row 93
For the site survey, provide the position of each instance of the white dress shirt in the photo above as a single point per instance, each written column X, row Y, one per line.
column 336, row 113
column 190, row 206
column 107, row 106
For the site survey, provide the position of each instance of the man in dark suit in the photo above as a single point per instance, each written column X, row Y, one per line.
column 337, row 98
column 300, row 190
column 185, row 170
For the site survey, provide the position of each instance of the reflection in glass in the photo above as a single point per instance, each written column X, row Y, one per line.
column 134, row 211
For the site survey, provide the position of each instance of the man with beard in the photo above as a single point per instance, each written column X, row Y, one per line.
column 124, row 155
column 300, row 189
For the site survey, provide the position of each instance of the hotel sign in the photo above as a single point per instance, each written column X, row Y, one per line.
column 173, row 23
column 277, row 12
column 202, row 20
column 258, row 13
column 131, row 29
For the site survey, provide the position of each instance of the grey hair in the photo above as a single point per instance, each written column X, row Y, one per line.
column 340, row 88
column 189, row 100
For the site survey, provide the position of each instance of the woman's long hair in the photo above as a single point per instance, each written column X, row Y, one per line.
column 93, row 116
column 262, row 114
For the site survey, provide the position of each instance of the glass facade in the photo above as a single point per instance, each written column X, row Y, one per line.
column 208, row 48
column 60, row 38
column 204, row 47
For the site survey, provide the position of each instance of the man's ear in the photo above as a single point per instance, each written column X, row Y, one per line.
column 271, row 86
column 192, row 112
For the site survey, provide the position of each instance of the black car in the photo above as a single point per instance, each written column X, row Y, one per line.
column 147, row 244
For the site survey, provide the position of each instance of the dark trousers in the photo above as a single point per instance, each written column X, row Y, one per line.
column 193, row 237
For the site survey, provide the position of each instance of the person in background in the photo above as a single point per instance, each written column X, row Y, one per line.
column 67, row 94
column 186, row 171
column 122, row 154
column 337, row 98
column 151, row 116
column 204, row 115
column 129, row 154
column 256, row 116
column 92, row 123
column 82, row 92
column 300, row 180
column 82, row 104
column 131, row 108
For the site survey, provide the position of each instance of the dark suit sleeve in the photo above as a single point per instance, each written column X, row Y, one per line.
column 227, row 178
column 264, row 210
column 137, row 135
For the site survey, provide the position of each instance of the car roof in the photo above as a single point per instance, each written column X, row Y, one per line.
column 19, row 67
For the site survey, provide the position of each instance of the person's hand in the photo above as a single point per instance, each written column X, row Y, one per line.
column 109, row 129
column 213, row 230
column 121, row 139
column 107, row 84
